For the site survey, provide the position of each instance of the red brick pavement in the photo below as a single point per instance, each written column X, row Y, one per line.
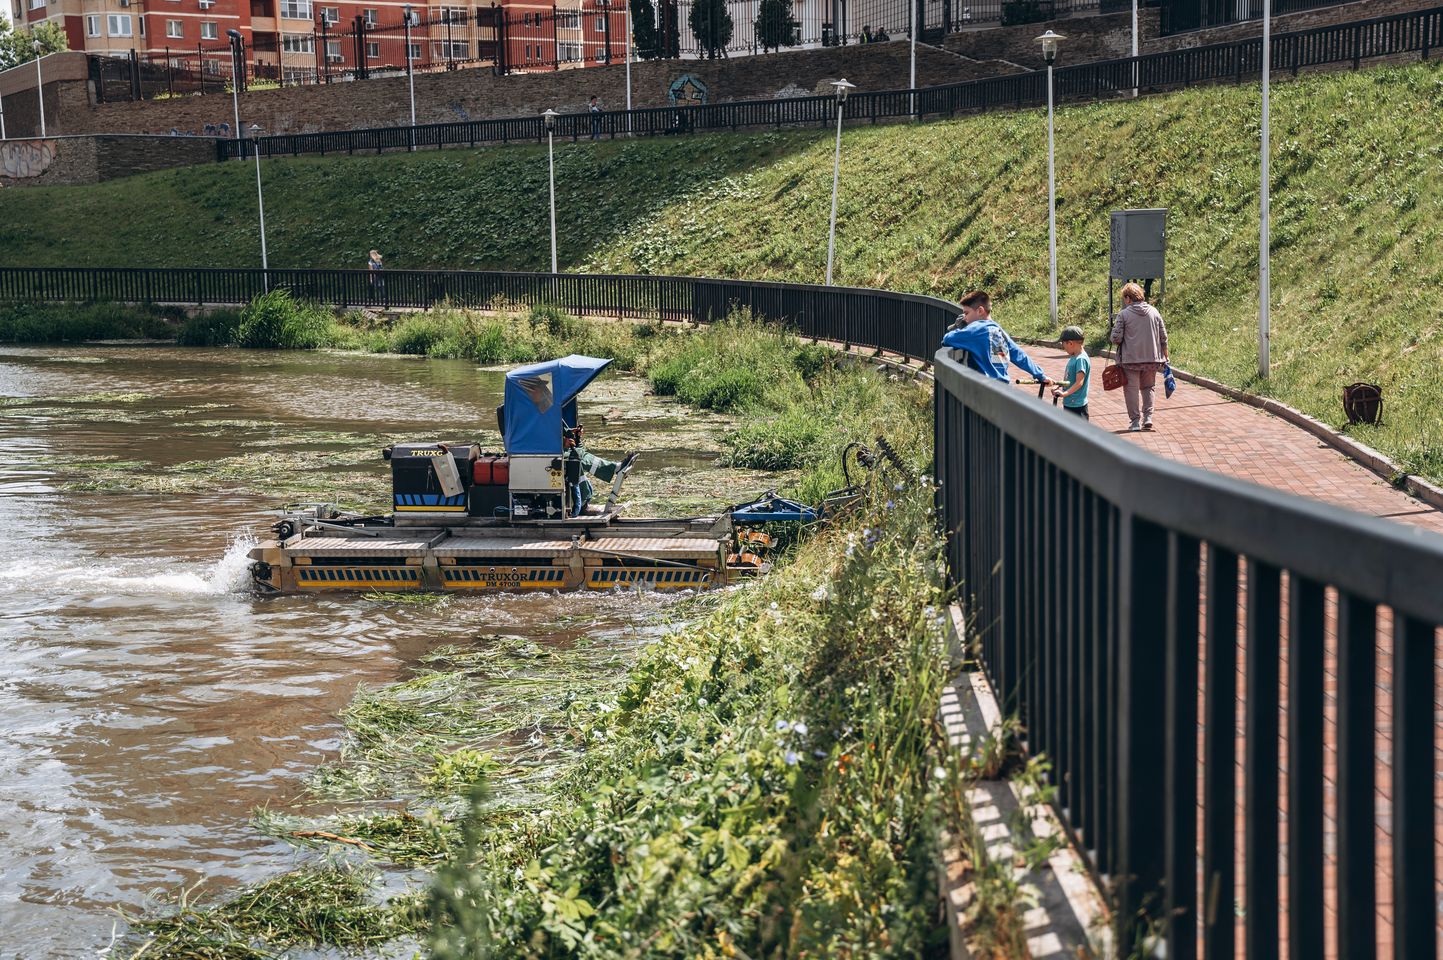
column 1208, row 430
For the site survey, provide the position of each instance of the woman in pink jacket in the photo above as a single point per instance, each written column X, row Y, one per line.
column 1141, row 340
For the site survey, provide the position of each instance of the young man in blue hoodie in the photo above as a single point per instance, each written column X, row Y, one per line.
column 987, row 346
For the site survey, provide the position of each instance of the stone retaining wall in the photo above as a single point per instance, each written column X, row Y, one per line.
column 67, row 161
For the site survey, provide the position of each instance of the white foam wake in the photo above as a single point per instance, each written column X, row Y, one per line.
column 226, row 575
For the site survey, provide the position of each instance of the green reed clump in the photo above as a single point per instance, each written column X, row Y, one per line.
column 762, row 785
column 333, row 905
column 276, row 320
column 71, row 322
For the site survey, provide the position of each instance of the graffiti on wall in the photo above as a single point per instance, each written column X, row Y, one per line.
column 20, row 159
column 687, row 89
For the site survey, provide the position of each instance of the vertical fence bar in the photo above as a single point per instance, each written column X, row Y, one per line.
column 1180, row 763
column 1305, row 767
column 1415, row 916
column 1357, row 654
column 1260, row 806
column 1142, row 677
column 1219, row 749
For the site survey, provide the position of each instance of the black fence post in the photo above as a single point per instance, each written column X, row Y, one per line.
column 135, row 91
column 606, row 30
column 325, row 61
column 1141, row 703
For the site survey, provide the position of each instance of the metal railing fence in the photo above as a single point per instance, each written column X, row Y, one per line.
column 1113, row 593
column 1418, row 32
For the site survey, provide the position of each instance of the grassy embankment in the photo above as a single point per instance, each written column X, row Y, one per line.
column 937, row 208
column 762, row 783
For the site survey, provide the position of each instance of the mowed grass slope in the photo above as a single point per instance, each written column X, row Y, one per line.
column 938, row 208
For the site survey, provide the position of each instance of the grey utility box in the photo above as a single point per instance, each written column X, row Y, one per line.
column 1139, row 244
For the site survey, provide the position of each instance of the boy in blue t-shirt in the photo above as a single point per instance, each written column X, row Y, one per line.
column 1073, row 386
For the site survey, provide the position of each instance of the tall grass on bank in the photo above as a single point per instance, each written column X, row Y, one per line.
column 763, row 786
column 73, row 322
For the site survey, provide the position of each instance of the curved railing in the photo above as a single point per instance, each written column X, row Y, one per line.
column 1116, row 597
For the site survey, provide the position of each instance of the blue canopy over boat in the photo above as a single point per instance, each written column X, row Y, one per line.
column 540, row 397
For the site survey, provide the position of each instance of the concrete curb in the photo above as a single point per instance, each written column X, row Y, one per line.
column 1377, row 462
column 1069, row 918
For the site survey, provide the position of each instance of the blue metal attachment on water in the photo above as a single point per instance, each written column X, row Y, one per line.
column 770, row 508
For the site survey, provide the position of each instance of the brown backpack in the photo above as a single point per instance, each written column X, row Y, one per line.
column 1363, row 403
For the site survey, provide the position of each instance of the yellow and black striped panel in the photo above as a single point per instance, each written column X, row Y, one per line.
column 661, row 578
column 503, row 578
column 351, row 578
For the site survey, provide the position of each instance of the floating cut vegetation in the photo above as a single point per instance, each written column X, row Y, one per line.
column 331, row 905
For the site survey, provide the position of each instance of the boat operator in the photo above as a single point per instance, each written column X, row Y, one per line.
column 591, row 466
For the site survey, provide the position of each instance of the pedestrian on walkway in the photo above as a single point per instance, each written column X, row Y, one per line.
column 1141, row 340
column 373, row 264
column 1073, row 388
column 595, row 118
column 986, row 345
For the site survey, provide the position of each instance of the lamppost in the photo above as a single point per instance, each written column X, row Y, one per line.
column 1049, row 41
column 261, row 206
column 1265, row 279
column 843, row 88
column 550, row 118
column 408, row 13
column 914, row 5
column 39, row 84
column 628, row 64
column 236, row 56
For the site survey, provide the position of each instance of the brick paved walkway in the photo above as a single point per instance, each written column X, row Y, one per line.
column 1208, row 430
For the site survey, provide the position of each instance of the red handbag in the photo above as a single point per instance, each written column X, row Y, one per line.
column 1113, row 376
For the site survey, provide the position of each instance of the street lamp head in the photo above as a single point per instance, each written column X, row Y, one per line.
column 233, row 34
column 255, row 130
column 1050, row 41
column 550, row 117
column 843, row 88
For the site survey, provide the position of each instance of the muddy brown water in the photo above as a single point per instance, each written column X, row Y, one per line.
column 148, row 701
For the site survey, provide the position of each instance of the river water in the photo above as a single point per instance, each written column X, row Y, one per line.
column 148, row 701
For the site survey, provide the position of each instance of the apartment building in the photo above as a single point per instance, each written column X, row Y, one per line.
column 299, row 40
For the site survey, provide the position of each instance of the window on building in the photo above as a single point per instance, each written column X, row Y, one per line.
column 459, row 50
column 370, row 17
column 568, row 20
column 118, row 25
column 174, row 29
column 373, row 50
column 92, row 26
column 333, row 51
column 453, row 15
column 331, row 15
column 296, row 9
column 298, row 43
column 600, row 24
column 209, row 30
column 415, row 51
column 36, row 4
column 142, row 26
column 526, row 22
column 568, row 52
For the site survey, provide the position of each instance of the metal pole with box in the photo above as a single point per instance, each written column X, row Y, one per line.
column 1139, row 249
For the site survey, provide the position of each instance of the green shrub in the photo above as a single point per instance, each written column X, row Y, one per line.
column 214, row 328
column 417, row 334
column 71, row 322
column 787, row 442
